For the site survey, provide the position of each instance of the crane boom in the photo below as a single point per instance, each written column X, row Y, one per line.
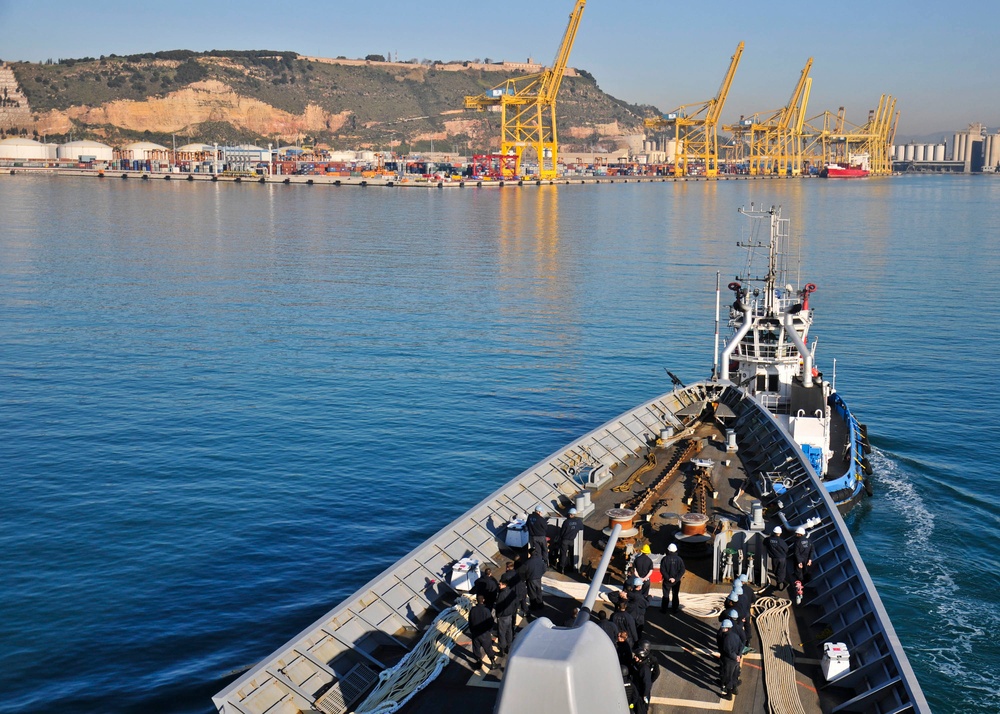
column 553, row 76
column 697, row 134
column 793, row 102
column 716, row 105
column 528, row 107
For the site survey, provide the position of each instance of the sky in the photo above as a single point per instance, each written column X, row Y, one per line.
column 938, row 59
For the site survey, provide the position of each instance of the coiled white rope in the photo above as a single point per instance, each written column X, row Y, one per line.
column 397, row 685
column 778, row 656
column 706, row 605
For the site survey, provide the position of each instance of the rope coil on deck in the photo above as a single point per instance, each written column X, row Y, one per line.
column 778, row 656
column 397, row 685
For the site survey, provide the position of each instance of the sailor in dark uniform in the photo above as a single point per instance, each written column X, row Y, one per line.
column 642, row 674
column 740, row 627
column 777, row 552
column 625, row 621
column 803, row 553
column 631, row 693
column 748, row 591
column 534, row 570
column 487, row 586
column 538, row 526
column 506, row 610
column 730, row 649
column 481, row 631
column 610, row 628
column 514, row 577
column 642, row 566
column 637, row 604
column 567, row 537
column 624, row 649
column 672, row 569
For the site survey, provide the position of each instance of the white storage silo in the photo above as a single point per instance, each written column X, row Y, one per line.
column 84, row 148
column 918, row 152
column 26, row 149
column 954, row 148
column 908, row 155
column 962, row 139
column 671, row 149
column 994, row 156
column 939, row 152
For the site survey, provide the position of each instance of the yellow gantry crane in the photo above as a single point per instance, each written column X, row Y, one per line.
column 528, row 108
column 775, row 142
column 696, row 134
column 881, row 129
column 831, row 139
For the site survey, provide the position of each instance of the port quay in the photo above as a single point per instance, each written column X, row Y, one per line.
column 386, row 181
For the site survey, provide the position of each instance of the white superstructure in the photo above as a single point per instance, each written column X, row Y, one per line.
column 769, row 355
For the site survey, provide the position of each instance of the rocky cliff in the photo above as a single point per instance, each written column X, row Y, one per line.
column 280, row 97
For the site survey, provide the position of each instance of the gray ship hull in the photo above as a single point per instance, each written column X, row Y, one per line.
column 332, row 664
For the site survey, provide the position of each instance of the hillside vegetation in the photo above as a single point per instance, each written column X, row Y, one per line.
column 273, row 96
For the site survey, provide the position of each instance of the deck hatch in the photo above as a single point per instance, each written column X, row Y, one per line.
column 339, row 698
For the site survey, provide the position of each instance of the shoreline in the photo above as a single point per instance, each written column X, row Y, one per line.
column 417, row 182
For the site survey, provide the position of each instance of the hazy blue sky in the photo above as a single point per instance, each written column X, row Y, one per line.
column 939, row 59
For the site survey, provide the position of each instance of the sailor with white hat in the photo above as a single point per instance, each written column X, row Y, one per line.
column 803, row 555
column 672, row 569
column 777, row 553
column 567, row 537
column 538, row 526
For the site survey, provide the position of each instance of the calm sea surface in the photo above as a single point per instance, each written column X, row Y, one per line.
column 223, row 408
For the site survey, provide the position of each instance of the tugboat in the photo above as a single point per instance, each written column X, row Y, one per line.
column 769, row 357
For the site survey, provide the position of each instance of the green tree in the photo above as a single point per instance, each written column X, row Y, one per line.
column 190, row 71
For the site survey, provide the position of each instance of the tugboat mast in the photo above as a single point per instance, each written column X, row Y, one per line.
column 776, row 245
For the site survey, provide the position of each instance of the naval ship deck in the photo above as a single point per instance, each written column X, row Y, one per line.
column 683, row 644
column 332, row 665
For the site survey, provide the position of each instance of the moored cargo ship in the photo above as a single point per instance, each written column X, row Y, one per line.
column 843, row 171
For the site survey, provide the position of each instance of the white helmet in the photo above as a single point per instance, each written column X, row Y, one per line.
column 672, row 547
column 800, row 531
column 777, row 530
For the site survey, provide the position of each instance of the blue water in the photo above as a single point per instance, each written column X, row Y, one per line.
column 223, row 408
